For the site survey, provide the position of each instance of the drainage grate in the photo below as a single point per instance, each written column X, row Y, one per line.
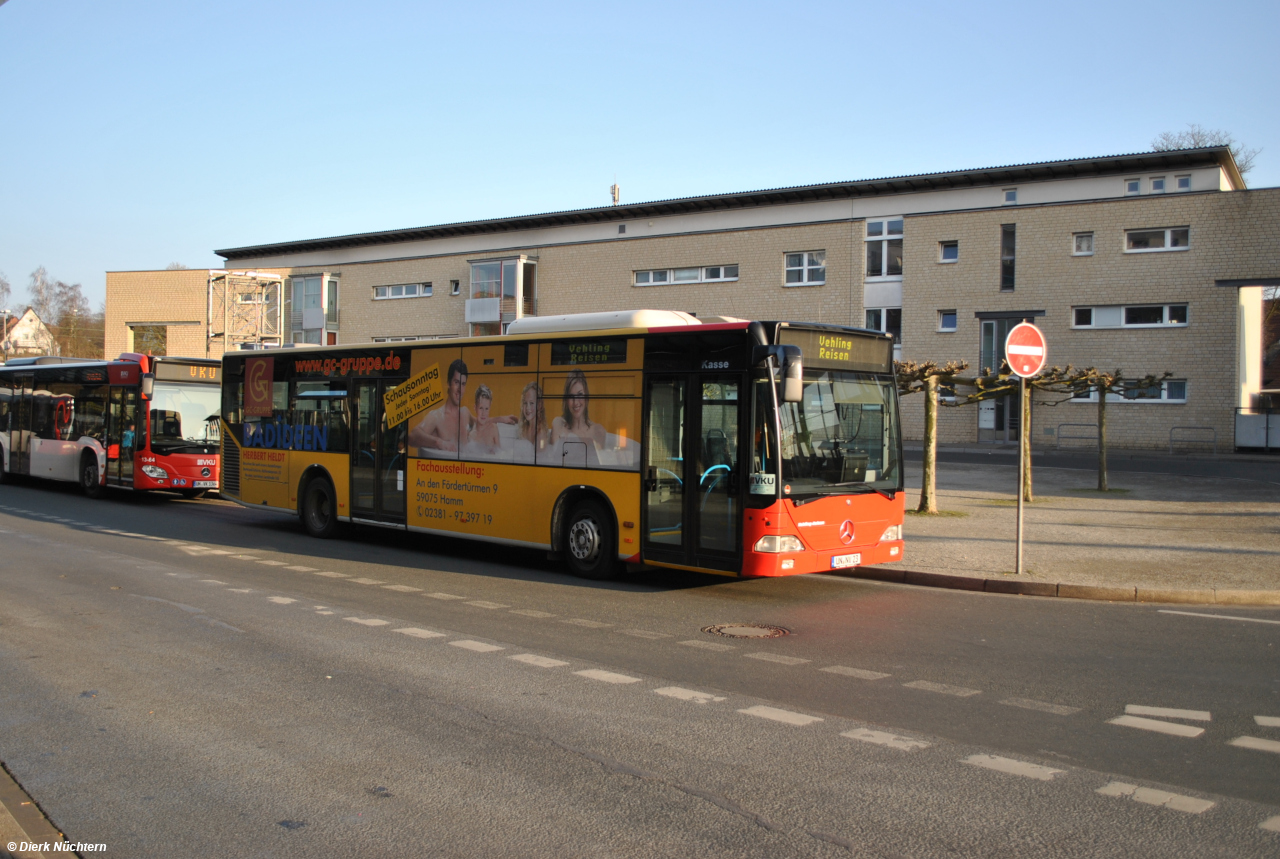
column 746, row 630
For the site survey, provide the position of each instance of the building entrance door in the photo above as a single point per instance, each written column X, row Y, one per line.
column 999, row 420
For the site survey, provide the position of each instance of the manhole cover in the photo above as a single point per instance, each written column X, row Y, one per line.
column 746, row 630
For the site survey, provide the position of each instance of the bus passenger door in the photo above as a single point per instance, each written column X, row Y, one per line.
column 20, row 424
column 663, row 476
column 124, row 435
column 378, row 456
column 717, row 509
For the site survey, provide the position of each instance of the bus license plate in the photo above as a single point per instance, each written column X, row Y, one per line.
column 205, row 484
column 845, row 561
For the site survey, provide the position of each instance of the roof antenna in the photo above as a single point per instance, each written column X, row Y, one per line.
column 615, row 190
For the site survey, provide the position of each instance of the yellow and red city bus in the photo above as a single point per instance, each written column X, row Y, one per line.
column 645, row 437
column 140, row 422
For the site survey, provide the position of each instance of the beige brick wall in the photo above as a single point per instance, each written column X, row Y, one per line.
column 158, row 296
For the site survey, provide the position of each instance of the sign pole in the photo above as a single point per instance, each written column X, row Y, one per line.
column 1022, row 467
column 1025, row 350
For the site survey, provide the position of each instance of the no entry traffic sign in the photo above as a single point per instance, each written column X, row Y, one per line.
column 1026, row 350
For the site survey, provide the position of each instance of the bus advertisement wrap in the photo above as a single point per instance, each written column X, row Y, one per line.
column 416, row 394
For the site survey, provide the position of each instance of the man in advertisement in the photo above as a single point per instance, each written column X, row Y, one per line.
column 447, row 426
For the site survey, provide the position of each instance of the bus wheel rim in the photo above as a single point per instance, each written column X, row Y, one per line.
column 584, row 539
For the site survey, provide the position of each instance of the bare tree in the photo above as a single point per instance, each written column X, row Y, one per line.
column 76, row 329
column 1197, row 136
column 926, row 377
column 5, row 292
column 175, row 266
column 40, row 294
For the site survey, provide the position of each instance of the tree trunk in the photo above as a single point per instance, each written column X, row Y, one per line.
column 1024, row 440
column 1102, row 438
column 928, row 480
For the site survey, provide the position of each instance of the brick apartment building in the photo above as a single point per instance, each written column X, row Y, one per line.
column 1148, row 262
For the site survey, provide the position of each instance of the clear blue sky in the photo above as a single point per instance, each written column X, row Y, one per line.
column 138, row 133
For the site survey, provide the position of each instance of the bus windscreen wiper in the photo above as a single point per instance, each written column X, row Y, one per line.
column 865, row 488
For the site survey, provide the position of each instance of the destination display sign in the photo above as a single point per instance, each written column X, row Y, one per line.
column 600, row 350
column 169, row 371
column 838, row 350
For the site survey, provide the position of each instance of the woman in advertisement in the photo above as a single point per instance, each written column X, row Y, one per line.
column 575, row 422
column 533, row 416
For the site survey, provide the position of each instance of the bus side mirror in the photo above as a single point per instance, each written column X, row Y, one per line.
column 148, row 385
column 792, row 375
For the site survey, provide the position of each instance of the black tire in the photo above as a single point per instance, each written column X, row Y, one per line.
column 90, row 478
column 590, row 546
column 4, row 473
column 193, row 493
column 319, row 508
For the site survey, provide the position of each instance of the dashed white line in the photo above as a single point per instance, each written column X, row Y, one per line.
column 884, row 738
column 333, row 575
column 1168, row 712
column 477, row 646
column 1271, row 824
column 1151, row 796
column 1218, row 616
column 1267, row 721
column 241, row 590
column 1257, row 744
column 208, row 551
column 212, row 582
column 363, row 581
column 942, row 688
column 589, row 624
column 273, row 563
column 324, row 612
column 487, row 604
column 785, row 716
column 282, row 600
column 233, row 557
column 539, row 661
column 368, row 621
column 860, row 673
column 1173, row 729
column 1012, row 767
column 440, row 596
column 773, row 657
column 404, row 589
column 644, row 633
column 707, row 645
column 693, row 695
column 531, row 612
column 606, row 676
column 1041, row 706
column 302, row 569
column 415, row 632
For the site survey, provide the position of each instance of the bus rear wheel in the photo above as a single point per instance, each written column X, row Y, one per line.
column 90, row 480
column 589, row 542
column 319, row 509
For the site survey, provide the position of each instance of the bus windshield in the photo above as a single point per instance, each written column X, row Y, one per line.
column 843, row 437
column 184, row 418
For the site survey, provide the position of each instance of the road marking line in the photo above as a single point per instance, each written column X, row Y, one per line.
column 606, row 676
column 1168, row 712
column 235, row 557
column 324, row 612
column 212, row 582
column 206, row 551
column 706, row 645
column 1257, row 744
column 773, row 657
column 530, row 612
column 241, row 590
column 1271, row 824
column 273, row 563
column 942, row 688
column 1267, row 721
column 363, row 581
column 281, row 600
column 444, row 596
column 1217, row 616
column 688, row 695
column 333, row 575
column 415, row 632
column 589, row 624
column 540, row 661
column 883, row 738
column 644, row 633
column 487, row 604
column 477, row 646
column 785, row 716
column 860, row 673
column 368, row 621
column 1171, row 728
column 404, row 589
column 1041, row 706
column 1012, row 767
column 1150, row 796
column 302, row 569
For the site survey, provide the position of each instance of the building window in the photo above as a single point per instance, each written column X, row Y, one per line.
column 1010, row 196
column 1132, row 186
column 1082, row 244
column 886, row 319
column 884, row 248
column 1130, row 316
column 408, row 339
column 948, row 251
column 622, row 228
column 1008, row 255
column 455, row 287
column 806, row 268
column 704, row 274
column 1168, row 391
column 402, row 290
column 1183, row 183
column 1148, row 241
column 1157, row 184
column 946, row 321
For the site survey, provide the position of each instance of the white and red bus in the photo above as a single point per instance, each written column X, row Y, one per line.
column 139, row 422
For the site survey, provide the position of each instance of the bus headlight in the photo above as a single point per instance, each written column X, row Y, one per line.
column 775, row 544
column 155, row 472
column 893, row 532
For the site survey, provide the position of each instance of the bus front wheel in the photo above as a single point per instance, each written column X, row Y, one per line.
column 320, row 508
column 90, row 481
column 589, row 542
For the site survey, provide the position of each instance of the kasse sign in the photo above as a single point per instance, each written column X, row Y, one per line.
column 1025, row 349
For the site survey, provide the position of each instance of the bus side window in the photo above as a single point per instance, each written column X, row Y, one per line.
column 6, row 394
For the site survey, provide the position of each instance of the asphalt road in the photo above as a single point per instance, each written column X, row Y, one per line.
column 180, row 678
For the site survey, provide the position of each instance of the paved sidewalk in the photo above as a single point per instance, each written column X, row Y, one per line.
column 1161, row 538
